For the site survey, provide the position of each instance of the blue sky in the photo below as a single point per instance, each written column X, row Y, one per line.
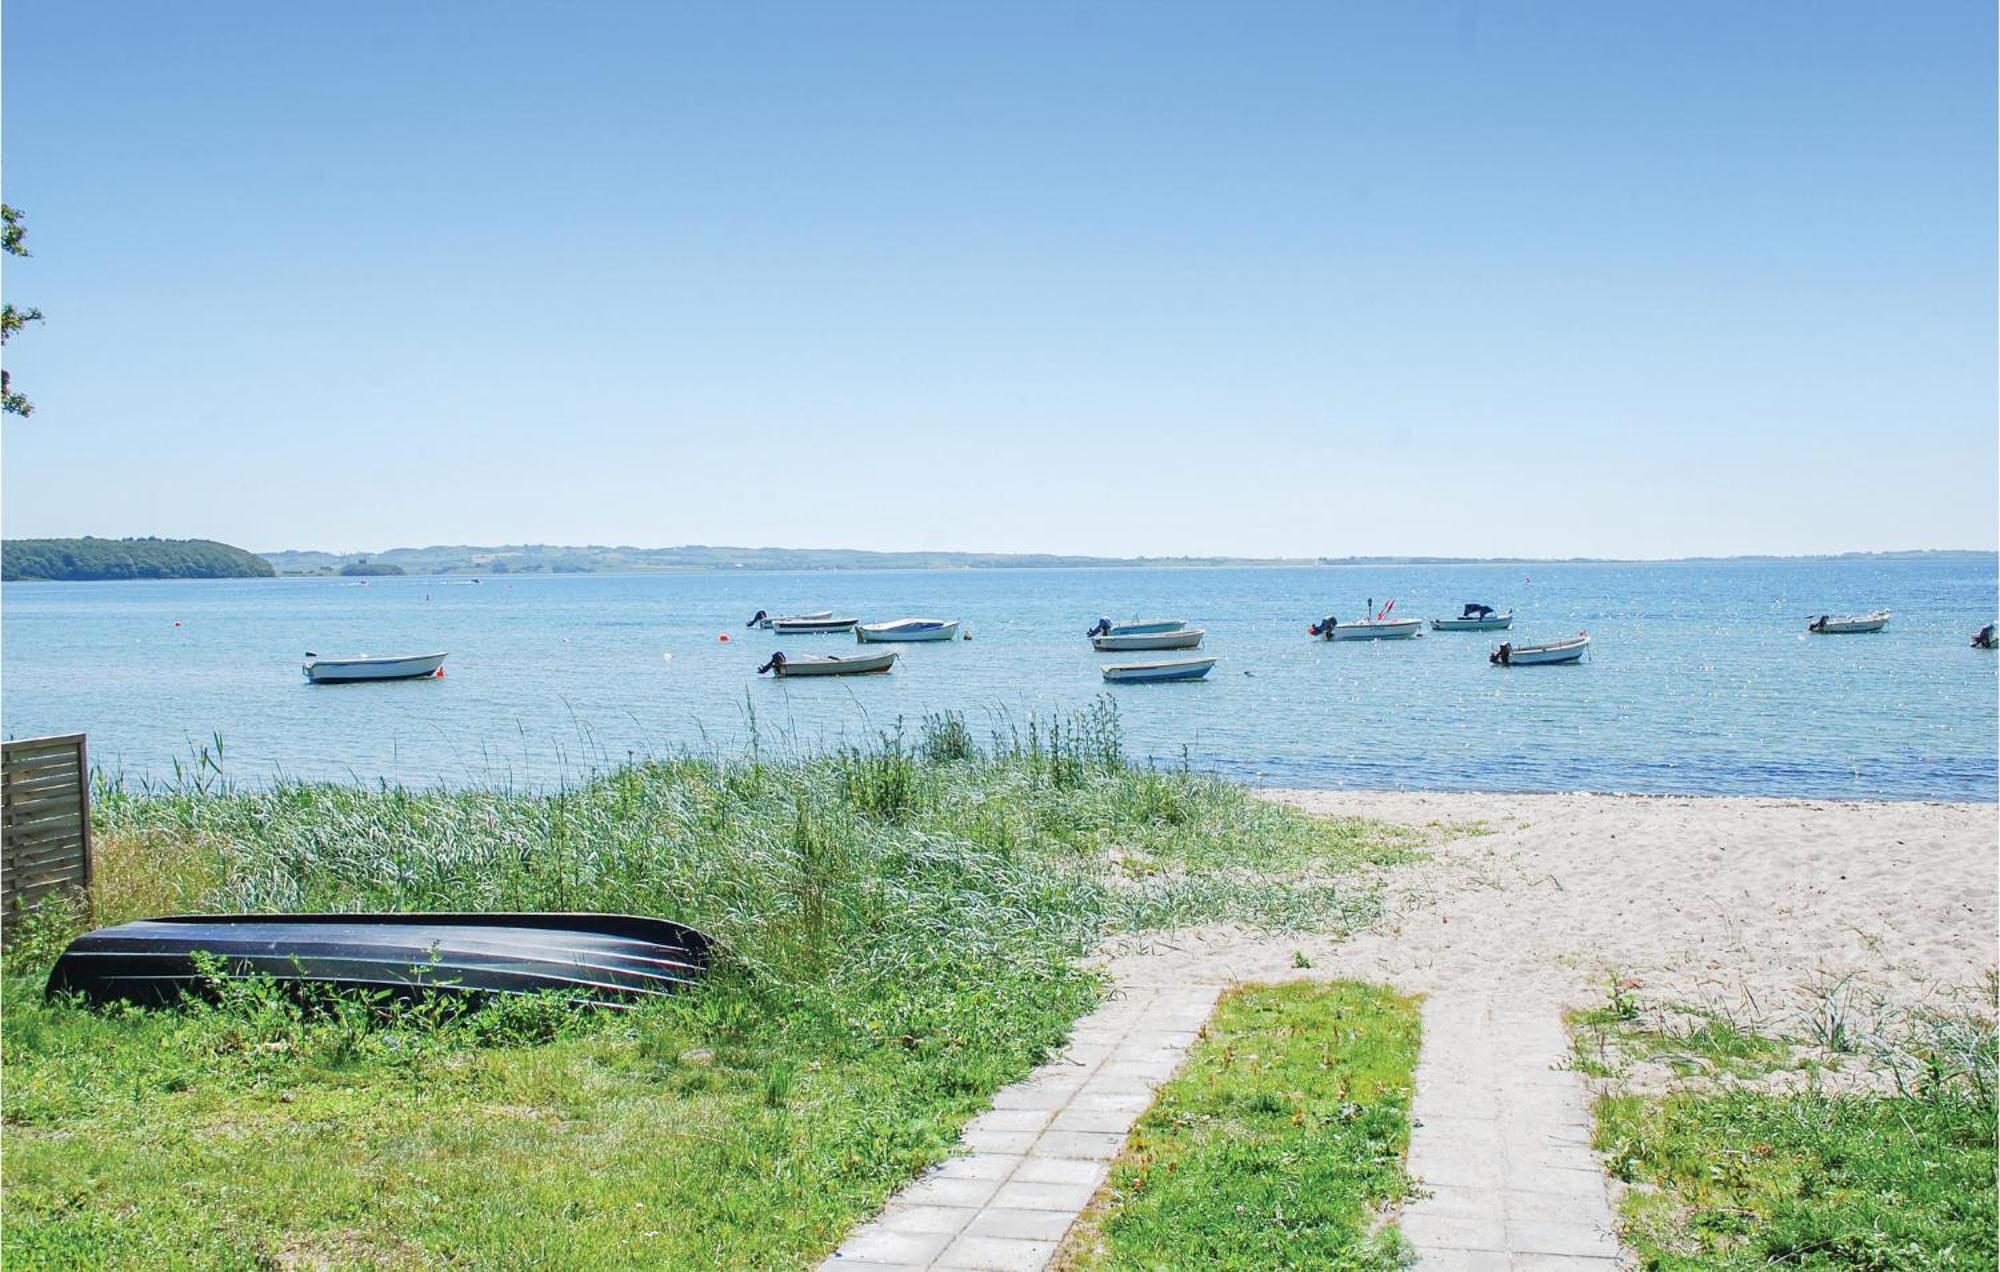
column 1286, row 279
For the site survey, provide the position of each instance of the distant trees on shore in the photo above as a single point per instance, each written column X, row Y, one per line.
column 88, row 558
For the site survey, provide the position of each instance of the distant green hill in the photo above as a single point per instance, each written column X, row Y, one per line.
column 87, row 558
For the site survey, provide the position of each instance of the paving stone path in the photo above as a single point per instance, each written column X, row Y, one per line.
column 1035, row 1159
column 1502, row 1144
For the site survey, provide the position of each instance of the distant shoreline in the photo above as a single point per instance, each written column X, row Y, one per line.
column 72, row 560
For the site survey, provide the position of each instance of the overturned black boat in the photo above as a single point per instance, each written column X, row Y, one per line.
column 619, row 959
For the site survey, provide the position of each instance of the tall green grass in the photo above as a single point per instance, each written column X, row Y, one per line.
column 903, row 928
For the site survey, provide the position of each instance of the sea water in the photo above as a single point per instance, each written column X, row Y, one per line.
column 1700, row 678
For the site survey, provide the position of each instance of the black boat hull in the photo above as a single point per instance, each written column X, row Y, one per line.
column 618, row 959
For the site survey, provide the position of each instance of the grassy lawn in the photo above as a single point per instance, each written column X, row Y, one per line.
column 1759, row 1159
column 1275, row 1144
column 902, row 925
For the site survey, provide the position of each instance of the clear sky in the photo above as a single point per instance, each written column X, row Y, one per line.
column 1278, row 279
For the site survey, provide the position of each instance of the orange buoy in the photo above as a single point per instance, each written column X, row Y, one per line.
column 724, row 638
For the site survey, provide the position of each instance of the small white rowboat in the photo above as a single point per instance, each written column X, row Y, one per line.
column 1168, row 669
column 1474, row 623
column 1377, row 629
column 333, row 671
column 1558, row 651
column 1138, row 627
column 829, row 664
column 1186, row 638
column 1848, row 624
column 904, row 630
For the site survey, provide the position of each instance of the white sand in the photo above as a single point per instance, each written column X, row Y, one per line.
column 1757, row 906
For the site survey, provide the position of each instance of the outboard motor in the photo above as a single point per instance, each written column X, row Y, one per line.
column 1323, row 628
column 1503, row 656
column 1103, row 628
column 1818, row 624
column 1984, row 639
column 777, row 661
column 757, row 618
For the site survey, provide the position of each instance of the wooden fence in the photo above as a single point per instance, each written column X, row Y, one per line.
column 44, row 821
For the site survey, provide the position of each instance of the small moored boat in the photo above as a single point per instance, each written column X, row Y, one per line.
column 1167, row 669
column 1185, row 638
column 1848, row 624
column 904, row 630
column 1557, row 651
column 1331, row 628
column 1475, row 618
column 766, row 620
column 620, row 957
column 332, row 671
column 829, row 664
column 1138, row 627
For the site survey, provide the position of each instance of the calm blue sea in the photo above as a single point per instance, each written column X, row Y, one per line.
column 1701, row 679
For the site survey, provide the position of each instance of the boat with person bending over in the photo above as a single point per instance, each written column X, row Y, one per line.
column 1163, row 670
column 1475, row 618
column 1551, row 654
column 829, row 664
column 322, row 670
column 1848, row 624
column 1183, row 638
column 1137, row 627
column 904, row 630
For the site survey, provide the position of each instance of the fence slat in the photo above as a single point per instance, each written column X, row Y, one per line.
column 44, row 822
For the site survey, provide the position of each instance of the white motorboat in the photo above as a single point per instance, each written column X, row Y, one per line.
column 904, row 630
column 1475, row 618
column 1166, row 669
column 1558, row 651
column 812, row 626
column 1185, row 638
column 829, row 664
column 1138, row 627
column 1848, row 624
column 332, row 671
column 1330, row 628
column 766, row 620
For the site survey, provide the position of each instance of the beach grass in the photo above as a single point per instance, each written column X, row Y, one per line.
column 1277, row 1145
column 902, row 928
column 1773, row 1151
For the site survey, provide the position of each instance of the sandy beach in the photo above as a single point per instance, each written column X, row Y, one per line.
column 1760, row 907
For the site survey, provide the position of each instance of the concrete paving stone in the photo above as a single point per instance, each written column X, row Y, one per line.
column 1563, row 1263
column 997, row 1254
column 838, row 1260
column 1130, row 1103
column 884, row 1246
column 900, row 1217
column 1429, row 1231
column 1060, row 1170
column 1018, row 1194
column 1463, row 1261
column 1459, row 1170
column 1581, row 1184
column 1102, row 1121
column 1048, row 1098
column 1445, row 1199
column 976, row 1166
column 1545, row 1236
column 1527, row 1206
column 1086, row 1144
column 940, row 1191
column 1020, row 1225
column 1012, row 1119
column 984, row 1141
